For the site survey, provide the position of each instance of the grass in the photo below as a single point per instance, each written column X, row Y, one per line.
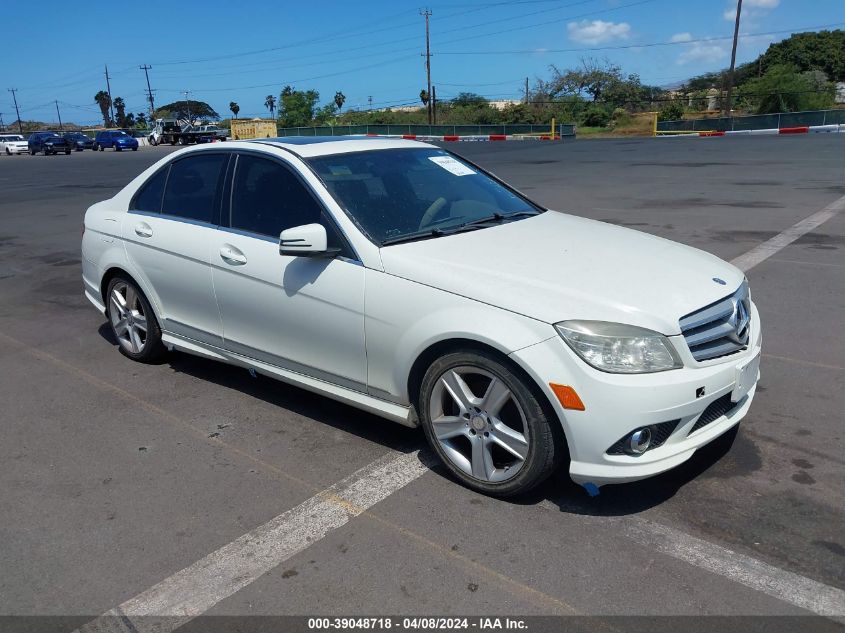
column 640, row 124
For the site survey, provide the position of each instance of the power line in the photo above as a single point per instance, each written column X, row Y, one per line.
column 534, row 51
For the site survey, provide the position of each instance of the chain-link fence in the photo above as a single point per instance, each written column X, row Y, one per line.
column 563, row 129
column 755, row 122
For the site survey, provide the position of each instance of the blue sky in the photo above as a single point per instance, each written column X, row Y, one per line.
column 366, row 48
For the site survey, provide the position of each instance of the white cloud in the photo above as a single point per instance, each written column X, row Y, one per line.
column 702, row 52
column 751, row 9
column 681, row 37
column 597, row 31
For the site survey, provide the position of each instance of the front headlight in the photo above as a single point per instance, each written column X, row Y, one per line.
column 618, row 348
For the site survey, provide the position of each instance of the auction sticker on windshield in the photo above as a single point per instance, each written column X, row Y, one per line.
column 451, row 165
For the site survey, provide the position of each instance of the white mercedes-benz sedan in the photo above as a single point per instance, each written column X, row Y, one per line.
column 403, row 280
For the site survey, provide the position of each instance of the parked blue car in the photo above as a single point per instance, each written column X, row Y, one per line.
column 117, row 139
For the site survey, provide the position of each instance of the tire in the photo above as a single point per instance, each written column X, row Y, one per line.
column 67, row 152
column 153, row 141
column 116, row 148
column 183, row 140
column 134, row 149
column 133, row 342
column 101, row 148
column 470, row 438
column 8, row 152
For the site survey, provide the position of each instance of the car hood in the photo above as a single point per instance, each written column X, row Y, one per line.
column 555, row 267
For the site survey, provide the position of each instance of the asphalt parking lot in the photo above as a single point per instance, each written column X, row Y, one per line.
column 116, row 475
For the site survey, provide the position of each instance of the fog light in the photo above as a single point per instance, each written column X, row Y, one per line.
column 639, row 441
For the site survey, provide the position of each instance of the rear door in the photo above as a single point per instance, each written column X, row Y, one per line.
column 299, row 313
column 168, row 231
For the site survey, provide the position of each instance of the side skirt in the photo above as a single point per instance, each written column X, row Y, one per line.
column 391, row 411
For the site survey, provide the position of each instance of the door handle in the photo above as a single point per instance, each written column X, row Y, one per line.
column 232, row 255
column 143, row 229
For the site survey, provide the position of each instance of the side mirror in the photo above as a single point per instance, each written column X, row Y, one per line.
column 308, row 240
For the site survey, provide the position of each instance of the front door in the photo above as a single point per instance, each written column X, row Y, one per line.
column 299, row 313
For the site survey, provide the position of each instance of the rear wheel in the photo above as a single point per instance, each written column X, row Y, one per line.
column 133, row 322
column 485, row 422
column 67, row 152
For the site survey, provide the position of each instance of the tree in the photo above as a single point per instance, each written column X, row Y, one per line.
column 296, row 107
column 270, row 104
column 783, row 88
column 183, row 109
column 424, row 96
column 326, row 114
column 823, row 50
column 235, row 108
column 469, row 99
column 141, row 120
column 103, row 100
column 339, row 100
column 120, row 112
column 672, row 111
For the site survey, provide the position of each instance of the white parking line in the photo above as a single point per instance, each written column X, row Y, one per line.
column 762, row 252
column 195, row 589
column 784, row 585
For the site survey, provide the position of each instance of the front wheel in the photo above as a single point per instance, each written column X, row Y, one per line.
column 67, row 152
column 133, row 322
column 134, row 149
column 485, row 421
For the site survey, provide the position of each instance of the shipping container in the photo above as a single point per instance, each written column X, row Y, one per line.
column 253, row 128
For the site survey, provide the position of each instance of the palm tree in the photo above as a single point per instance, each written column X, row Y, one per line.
column 339, row 99
column 120, row 109
column 235, row 108
column 103, row 100
column 270, row 104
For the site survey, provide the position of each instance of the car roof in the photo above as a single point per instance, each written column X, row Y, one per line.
column 313, row 146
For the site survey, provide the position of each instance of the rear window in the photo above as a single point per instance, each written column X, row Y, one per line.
column 150, row 194
column 193, row 187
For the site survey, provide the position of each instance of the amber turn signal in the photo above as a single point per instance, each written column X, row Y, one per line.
column 567, row 396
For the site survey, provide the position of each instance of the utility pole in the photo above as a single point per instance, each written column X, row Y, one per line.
column 370, row 100
column 187, row 104
column 2, row 127
column 728, row 96
column 526, row 90
column 145, row 68
column 17, row 111
column 427, row 13
column 108, row 90
column 61, row 129
column 433, row 102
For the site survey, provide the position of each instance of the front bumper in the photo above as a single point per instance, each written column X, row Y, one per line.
column 617, row 404
column 21, row 149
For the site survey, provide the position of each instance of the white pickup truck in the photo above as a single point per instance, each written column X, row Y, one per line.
column 219, row 133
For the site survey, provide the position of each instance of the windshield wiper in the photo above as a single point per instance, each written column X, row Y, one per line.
column 414, row 237
column 496, row 218
column 472, row 225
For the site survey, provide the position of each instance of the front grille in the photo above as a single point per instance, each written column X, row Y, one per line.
column 659, row 434
column 714, row 411
column 721, row 328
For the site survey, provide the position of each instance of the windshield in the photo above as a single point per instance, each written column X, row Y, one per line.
column 403, row 192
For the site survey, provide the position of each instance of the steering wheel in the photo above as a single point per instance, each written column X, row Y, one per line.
column 432, row 212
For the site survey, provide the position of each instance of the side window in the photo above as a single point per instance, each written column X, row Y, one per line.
column 150, row 194
column 193, row 186
column 268, row 198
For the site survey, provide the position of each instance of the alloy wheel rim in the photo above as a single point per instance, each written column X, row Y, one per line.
column 126, row 313
column 479, row 424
